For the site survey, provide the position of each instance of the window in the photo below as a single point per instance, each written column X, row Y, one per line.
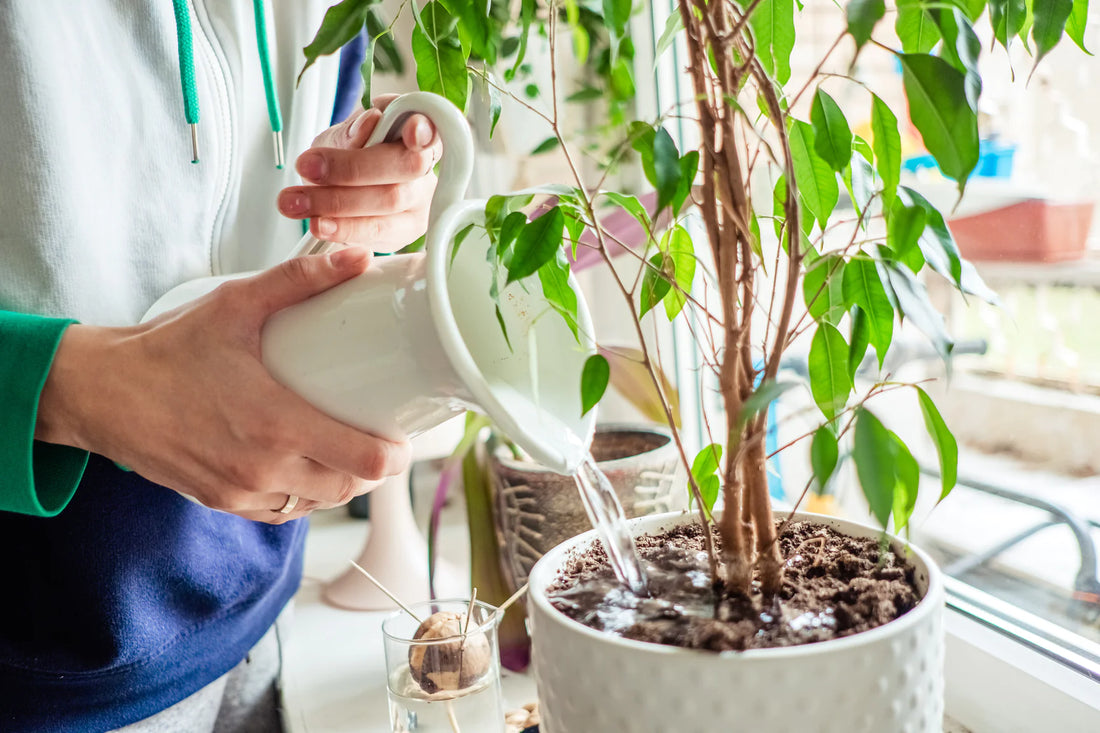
column 1019, row 536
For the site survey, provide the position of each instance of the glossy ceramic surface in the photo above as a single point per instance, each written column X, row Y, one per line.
column 415, row 340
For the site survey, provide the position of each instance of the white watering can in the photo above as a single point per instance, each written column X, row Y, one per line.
column 414, row 340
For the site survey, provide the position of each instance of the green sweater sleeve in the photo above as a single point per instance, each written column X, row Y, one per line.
column 36, row 478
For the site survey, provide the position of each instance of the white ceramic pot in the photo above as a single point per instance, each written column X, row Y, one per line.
column 414, row 340
column 886, row 680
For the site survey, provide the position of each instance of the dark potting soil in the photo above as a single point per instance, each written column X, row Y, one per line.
column 613, row 445
column 833, row 586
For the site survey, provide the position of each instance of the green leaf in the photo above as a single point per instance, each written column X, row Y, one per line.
column 341, row 23
column 440, row 63
column 913, row 302
column 1075, row 26
column 537, row 244
column 616, row 14
column 706, row 462
column 632, row 205
column 906, row 482
column 554, row 277
column 873, row 450
column 887, row 146
column 824, row 453
column 863, row 287
column 946, row 446
column 366, row 72
column 475, row 29
column 1050, row 22
column 503, row 327
column 704, row 469
column 940, row 109
column 655, row 283
column 673, row 25
column 682, row 251
column 438, row 24
column 509, row 230
column 1007, row 18
column 971, row 8
column 586, row 94
column 916, row 28
column 904, row 227
column 862, row 17
column 822, row 289
column 386, row 56
column 772, row 26
column 666, row 167
column 594, row 378
column 527, row 11
column 460, row 237
column 689, row 167
column 860, row 179
column 864, row 149
column 861, row 339
column 961, row 49
column 830, row 382
column 546, row 145
column 832, row 136
column 762, row 397
column 709, row 488
column 936, row 241
column 495, row 105
column 816, row 179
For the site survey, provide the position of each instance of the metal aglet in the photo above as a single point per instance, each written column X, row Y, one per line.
column 280, row 154
column 194, row 142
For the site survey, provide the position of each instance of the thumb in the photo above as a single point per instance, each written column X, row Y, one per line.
column 300, row 278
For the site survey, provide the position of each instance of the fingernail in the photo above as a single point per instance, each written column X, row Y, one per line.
column 293, row 203
column 312, row 166
column 423, row 134
column 357, row 126
column 326, row 226
column 347, row 257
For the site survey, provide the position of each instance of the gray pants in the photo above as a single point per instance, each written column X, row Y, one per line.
column 245, row 700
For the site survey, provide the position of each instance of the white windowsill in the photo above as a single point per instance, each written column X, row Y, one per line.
column 998, row 685
column 334, row 675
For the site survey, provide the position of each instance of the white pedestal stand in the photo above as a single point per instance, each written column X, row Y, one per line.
column 396, row 552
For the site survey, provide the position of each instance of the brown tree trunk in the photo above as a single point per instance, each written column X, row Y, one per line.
column 769, row 562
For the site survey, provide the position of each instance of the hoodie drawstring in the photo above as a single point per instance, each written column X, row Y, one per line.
column 190, row 92
column 187, row 73
column 274, row 116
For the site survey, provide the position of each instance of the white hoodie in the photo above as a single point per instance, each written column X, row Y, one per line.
column 97, row 124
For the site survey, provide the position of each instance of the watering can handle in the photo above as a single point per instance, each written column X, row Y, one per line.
column 455, row 165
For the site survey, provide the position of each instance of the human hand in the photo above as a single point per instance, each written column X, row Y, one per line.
column 377, row 196
column 185, row 401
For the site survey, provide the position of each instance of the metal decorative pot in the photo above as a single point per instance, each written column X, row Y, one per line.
column 535, row 509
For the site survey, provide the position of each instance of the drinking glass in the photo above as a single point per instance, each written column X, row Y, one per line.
column 448, row 679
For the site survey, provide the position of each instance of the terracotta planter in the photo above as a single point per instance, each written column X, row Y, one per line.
column 535, row 509
column 886, row 679
column 1028, row 231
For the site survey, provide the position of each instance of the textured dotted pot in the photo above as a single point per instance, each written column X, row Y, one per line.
column 886, row 680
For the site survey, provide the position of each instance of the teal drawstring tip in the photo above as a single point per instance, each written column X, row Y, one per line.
column 194, row 142
column 280, row 155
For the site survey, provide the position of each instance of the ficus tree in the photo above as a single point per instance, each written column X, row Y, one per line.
column 753, row 208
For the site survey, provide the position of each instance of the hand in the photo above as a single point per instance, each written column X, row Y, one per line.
column 377, row 196
column 185, row 401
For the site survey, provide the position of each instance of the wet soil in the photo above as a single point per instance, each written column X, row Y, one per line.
column 833, row 586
